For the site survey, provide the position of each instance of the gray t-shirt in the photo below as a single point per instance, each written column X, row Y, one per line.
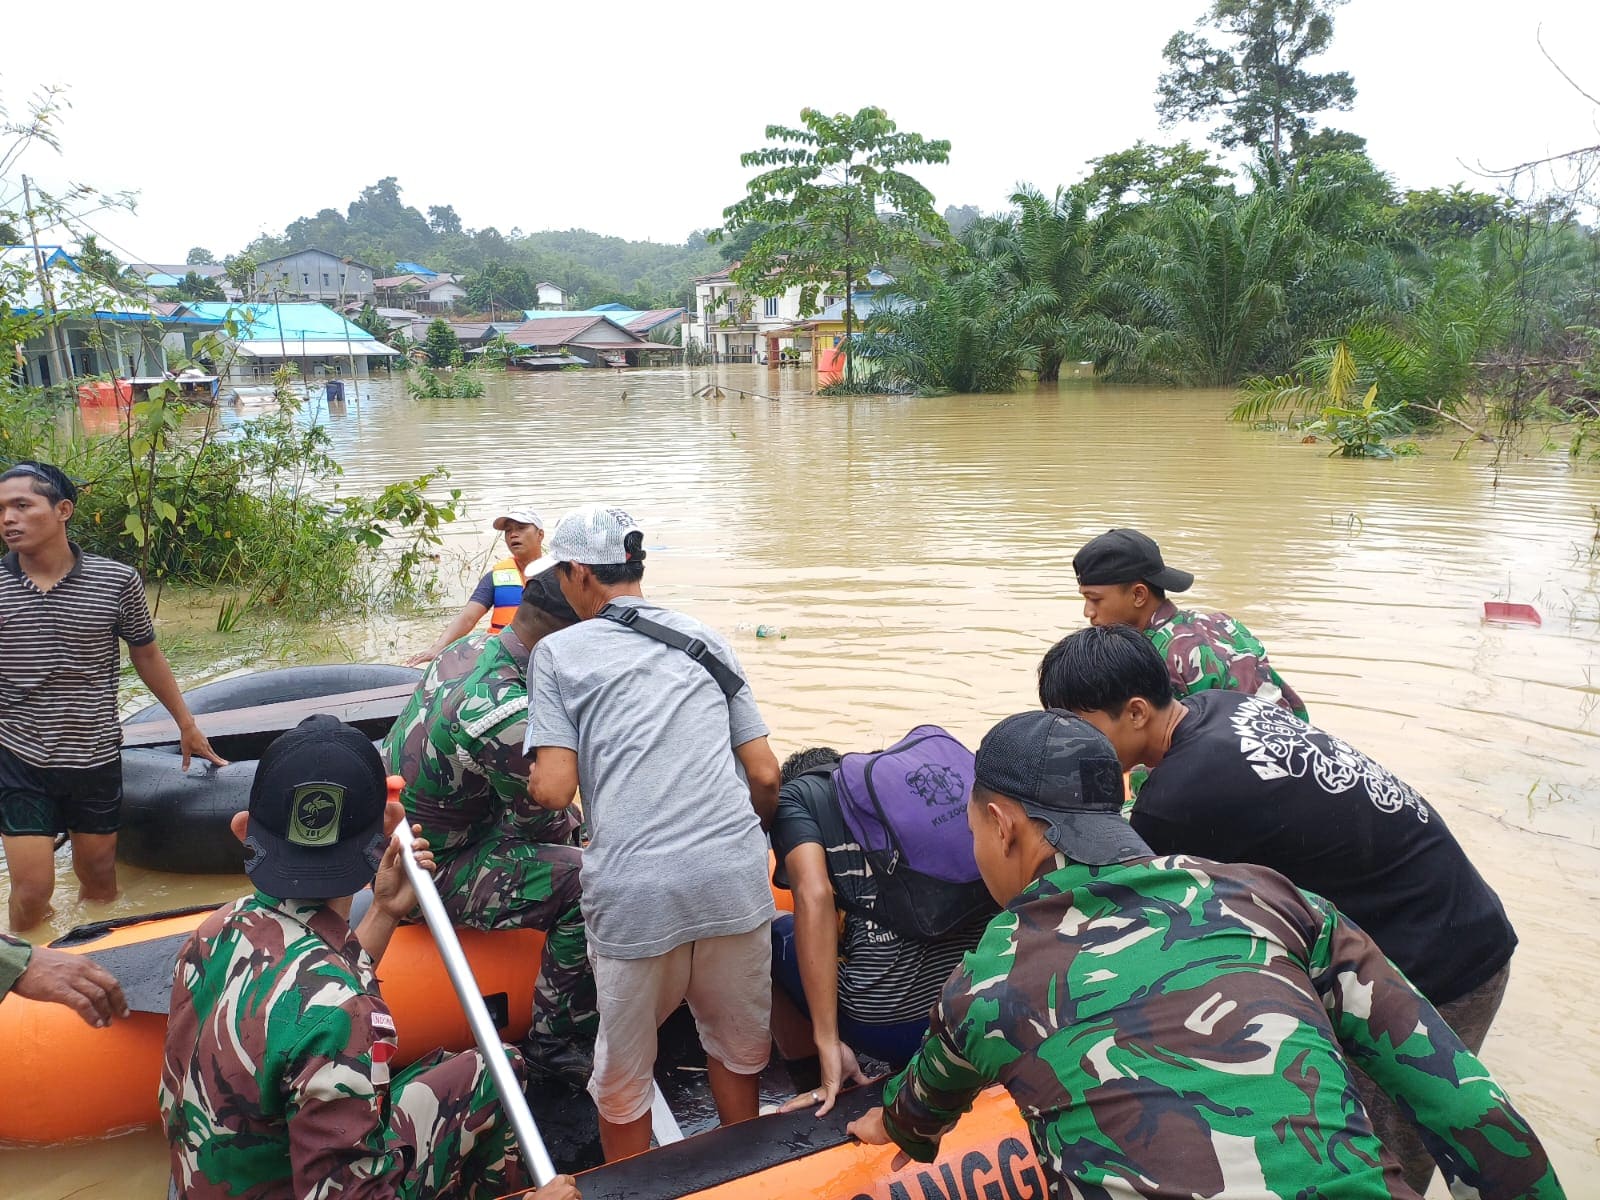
column 676, row 851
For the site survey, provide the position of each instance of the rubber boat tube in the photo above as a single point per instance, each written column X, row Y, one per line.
column 61, row 1079
column 177, row 821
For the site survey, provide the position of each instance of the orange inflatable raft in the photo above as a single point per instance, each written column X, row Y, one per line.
column 61, row 1079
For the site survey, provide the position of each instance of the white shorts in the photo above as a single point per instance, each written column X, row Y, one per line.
column 728, row 984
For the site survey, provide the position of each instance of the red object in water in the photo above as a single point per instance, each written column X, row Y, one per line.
column 1510, row 614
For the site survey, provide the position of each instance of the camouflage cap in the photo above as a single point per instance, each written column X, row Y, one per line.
column 1064, row 772
column 316, row 812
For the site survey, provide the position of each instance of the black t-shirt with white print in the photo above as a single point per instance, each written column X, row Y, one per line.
column 1245, row 781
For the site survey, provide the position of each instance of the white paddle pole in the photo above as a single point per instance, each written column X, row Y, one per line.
column 515, row 1104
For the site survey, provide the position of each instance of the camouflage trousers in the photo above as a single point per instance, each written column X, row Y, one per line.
column 445, row 1120
column 504, row 881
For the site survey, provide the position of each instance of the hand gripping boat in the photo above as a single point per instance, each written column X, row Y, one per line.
column 61, row 1079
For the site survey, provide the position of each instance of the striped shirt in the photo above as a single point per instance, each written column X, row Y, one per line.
column 884, row 977
column 59, row 659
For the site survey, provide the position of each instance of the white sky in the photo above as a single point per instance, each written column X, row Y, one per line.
column 628, row 118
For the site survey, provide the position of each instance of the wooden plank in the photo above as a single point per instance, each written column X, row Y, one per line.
column 374, row 704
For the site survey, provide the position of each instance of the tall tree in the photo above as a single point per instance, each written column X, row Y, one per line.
column 1145, row 173
column 198, row 256
column 1258, row 83
column 442, row 219
column 441, row 345
column 836, row 204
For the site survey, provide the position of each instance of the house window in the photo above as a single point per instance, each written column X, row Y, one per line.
column 770, row 307
column 325, row 279
column 341, row 278
column 305, row 278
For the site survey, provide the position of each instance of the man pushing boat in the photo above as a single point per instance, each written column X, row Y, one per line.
column 62, row 615
column 504, row 862
column 276, row 1081
column 1177, row 1026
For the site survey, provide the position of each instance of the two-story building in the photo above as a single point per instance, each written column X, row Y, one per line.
column 739, row 326
column 313, row 274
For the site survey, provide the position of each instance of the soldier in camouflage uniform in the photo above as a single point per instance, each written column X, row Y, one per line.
column 276, row 1081
column 1175, row 1026
column 1123, row 581
column 504, row 862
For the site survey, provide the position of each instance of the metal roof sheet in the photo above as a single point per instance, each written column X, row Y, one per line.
column 295, row 322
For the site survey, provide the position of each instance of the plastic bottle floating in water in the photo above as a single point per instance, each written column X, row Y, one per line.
column 760, row 631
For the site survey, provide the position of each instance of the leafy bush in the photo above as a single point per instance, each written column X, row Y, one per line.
column 427, row 384
column 256, row 511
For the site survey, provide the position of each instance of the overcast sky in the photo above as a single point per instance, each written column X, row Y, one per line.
column 629, row 119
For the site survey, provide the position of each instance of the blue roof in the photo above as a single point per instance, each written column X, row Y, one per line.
column 52, row 255
column 864, row 304
column 298, row 322
column 156, row 279
column 612, row 306
column 411, row 268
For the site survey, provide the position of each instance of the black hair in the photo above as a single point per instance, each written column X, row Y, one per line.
column 48, row 481
column 1101, row 668
column 611, row 574
column 801, row 761
column 1159, row 593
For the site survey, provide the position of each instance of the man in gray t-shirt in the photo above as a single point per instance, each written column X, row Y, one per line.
column 677, row 781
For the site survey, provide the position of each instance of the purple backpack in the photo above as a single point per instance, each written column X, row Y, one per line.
column 907, row 807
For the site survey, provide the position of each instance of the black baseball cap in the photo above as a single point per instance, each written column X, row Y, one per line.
column 1127, row 556
column 543, row 591
column 316, row 812
column 1063, row 771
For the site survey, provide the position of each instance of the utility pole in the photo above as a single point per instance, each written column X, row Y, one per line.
column 60, row 364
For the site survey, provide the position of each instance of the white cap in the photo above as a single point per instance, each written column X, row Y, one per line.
column 522, row 516
column 592, row 535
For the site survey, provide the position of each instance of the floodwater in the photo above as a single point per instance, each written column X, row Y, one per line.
column 917, row 554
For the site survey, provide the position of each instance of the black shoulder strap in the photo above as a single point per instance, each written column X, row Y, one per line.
column 729, row 680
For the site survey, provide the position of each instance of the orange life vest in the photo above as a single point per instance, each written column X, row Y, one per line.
column 507, row 579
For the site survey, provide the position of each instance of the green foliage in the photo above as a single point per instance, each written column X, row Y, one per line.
column 1257, row 84
column 835, row 204
column 1146, row 173
column 257, row 513
column 1358, row 427
column 369, row 321
column 441, row 344
column 427, row 384
column 194, row 286
column 199, row 256
column 964, row 338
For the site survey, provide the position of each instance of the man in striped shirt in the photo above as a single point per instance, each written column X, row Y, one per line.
column 61, row 614
column 860, row 984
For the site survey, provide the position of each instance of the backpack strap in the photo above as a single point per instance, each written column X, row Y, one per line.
column 729, row 680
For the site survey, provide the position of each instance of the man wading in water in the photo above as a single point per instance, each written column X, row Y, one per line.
column 645, row 708
column 61, row 614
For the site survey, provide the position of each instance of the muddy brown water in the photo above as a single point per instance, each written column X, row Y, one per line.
column 917, row 554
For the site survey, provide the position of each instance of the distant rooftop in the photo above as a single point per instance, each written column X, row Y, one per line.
column 411, row 268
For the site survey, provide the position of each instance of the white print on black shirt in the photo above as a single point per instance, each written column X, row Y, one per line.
column 1277, row 744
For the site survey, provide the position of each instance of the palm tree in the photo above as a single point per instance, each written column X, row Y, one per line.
column 965, row 337
column 1206, row 286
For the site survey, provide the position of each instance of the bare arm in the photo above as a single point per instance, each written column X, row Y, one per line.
column 761, row 770
column 816, row 941
column 156, row 672
column 462, row 624
column 553, row 780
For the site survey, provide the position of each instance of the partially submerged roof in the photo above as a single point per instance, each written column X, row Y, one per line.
column 291, row 326
column 636, row 320
column 579, row 329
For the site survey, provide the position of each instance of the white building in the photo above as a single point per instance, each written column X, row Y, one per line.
column 737, row 326
column 548, row 295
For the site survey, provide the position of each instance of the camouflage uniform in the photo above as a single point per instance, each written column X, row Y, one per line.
column 14, row 955
column 276, row 1081
column 503, row 862
column 1212, row 651
column 1174, row 1026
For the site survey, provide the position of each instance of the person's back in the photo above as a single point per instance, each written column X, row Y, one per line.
column 446, row 745
column 886, row 982
column 272, row 1004
column 676, row 851
column 1244, row 781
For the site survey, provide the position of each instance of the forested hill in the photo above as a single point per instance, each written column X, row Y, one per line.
column 381, row 229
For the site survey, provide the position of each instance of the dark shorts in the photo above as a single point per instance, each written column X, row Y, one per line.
column 45, row 801
column 893, row 1044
